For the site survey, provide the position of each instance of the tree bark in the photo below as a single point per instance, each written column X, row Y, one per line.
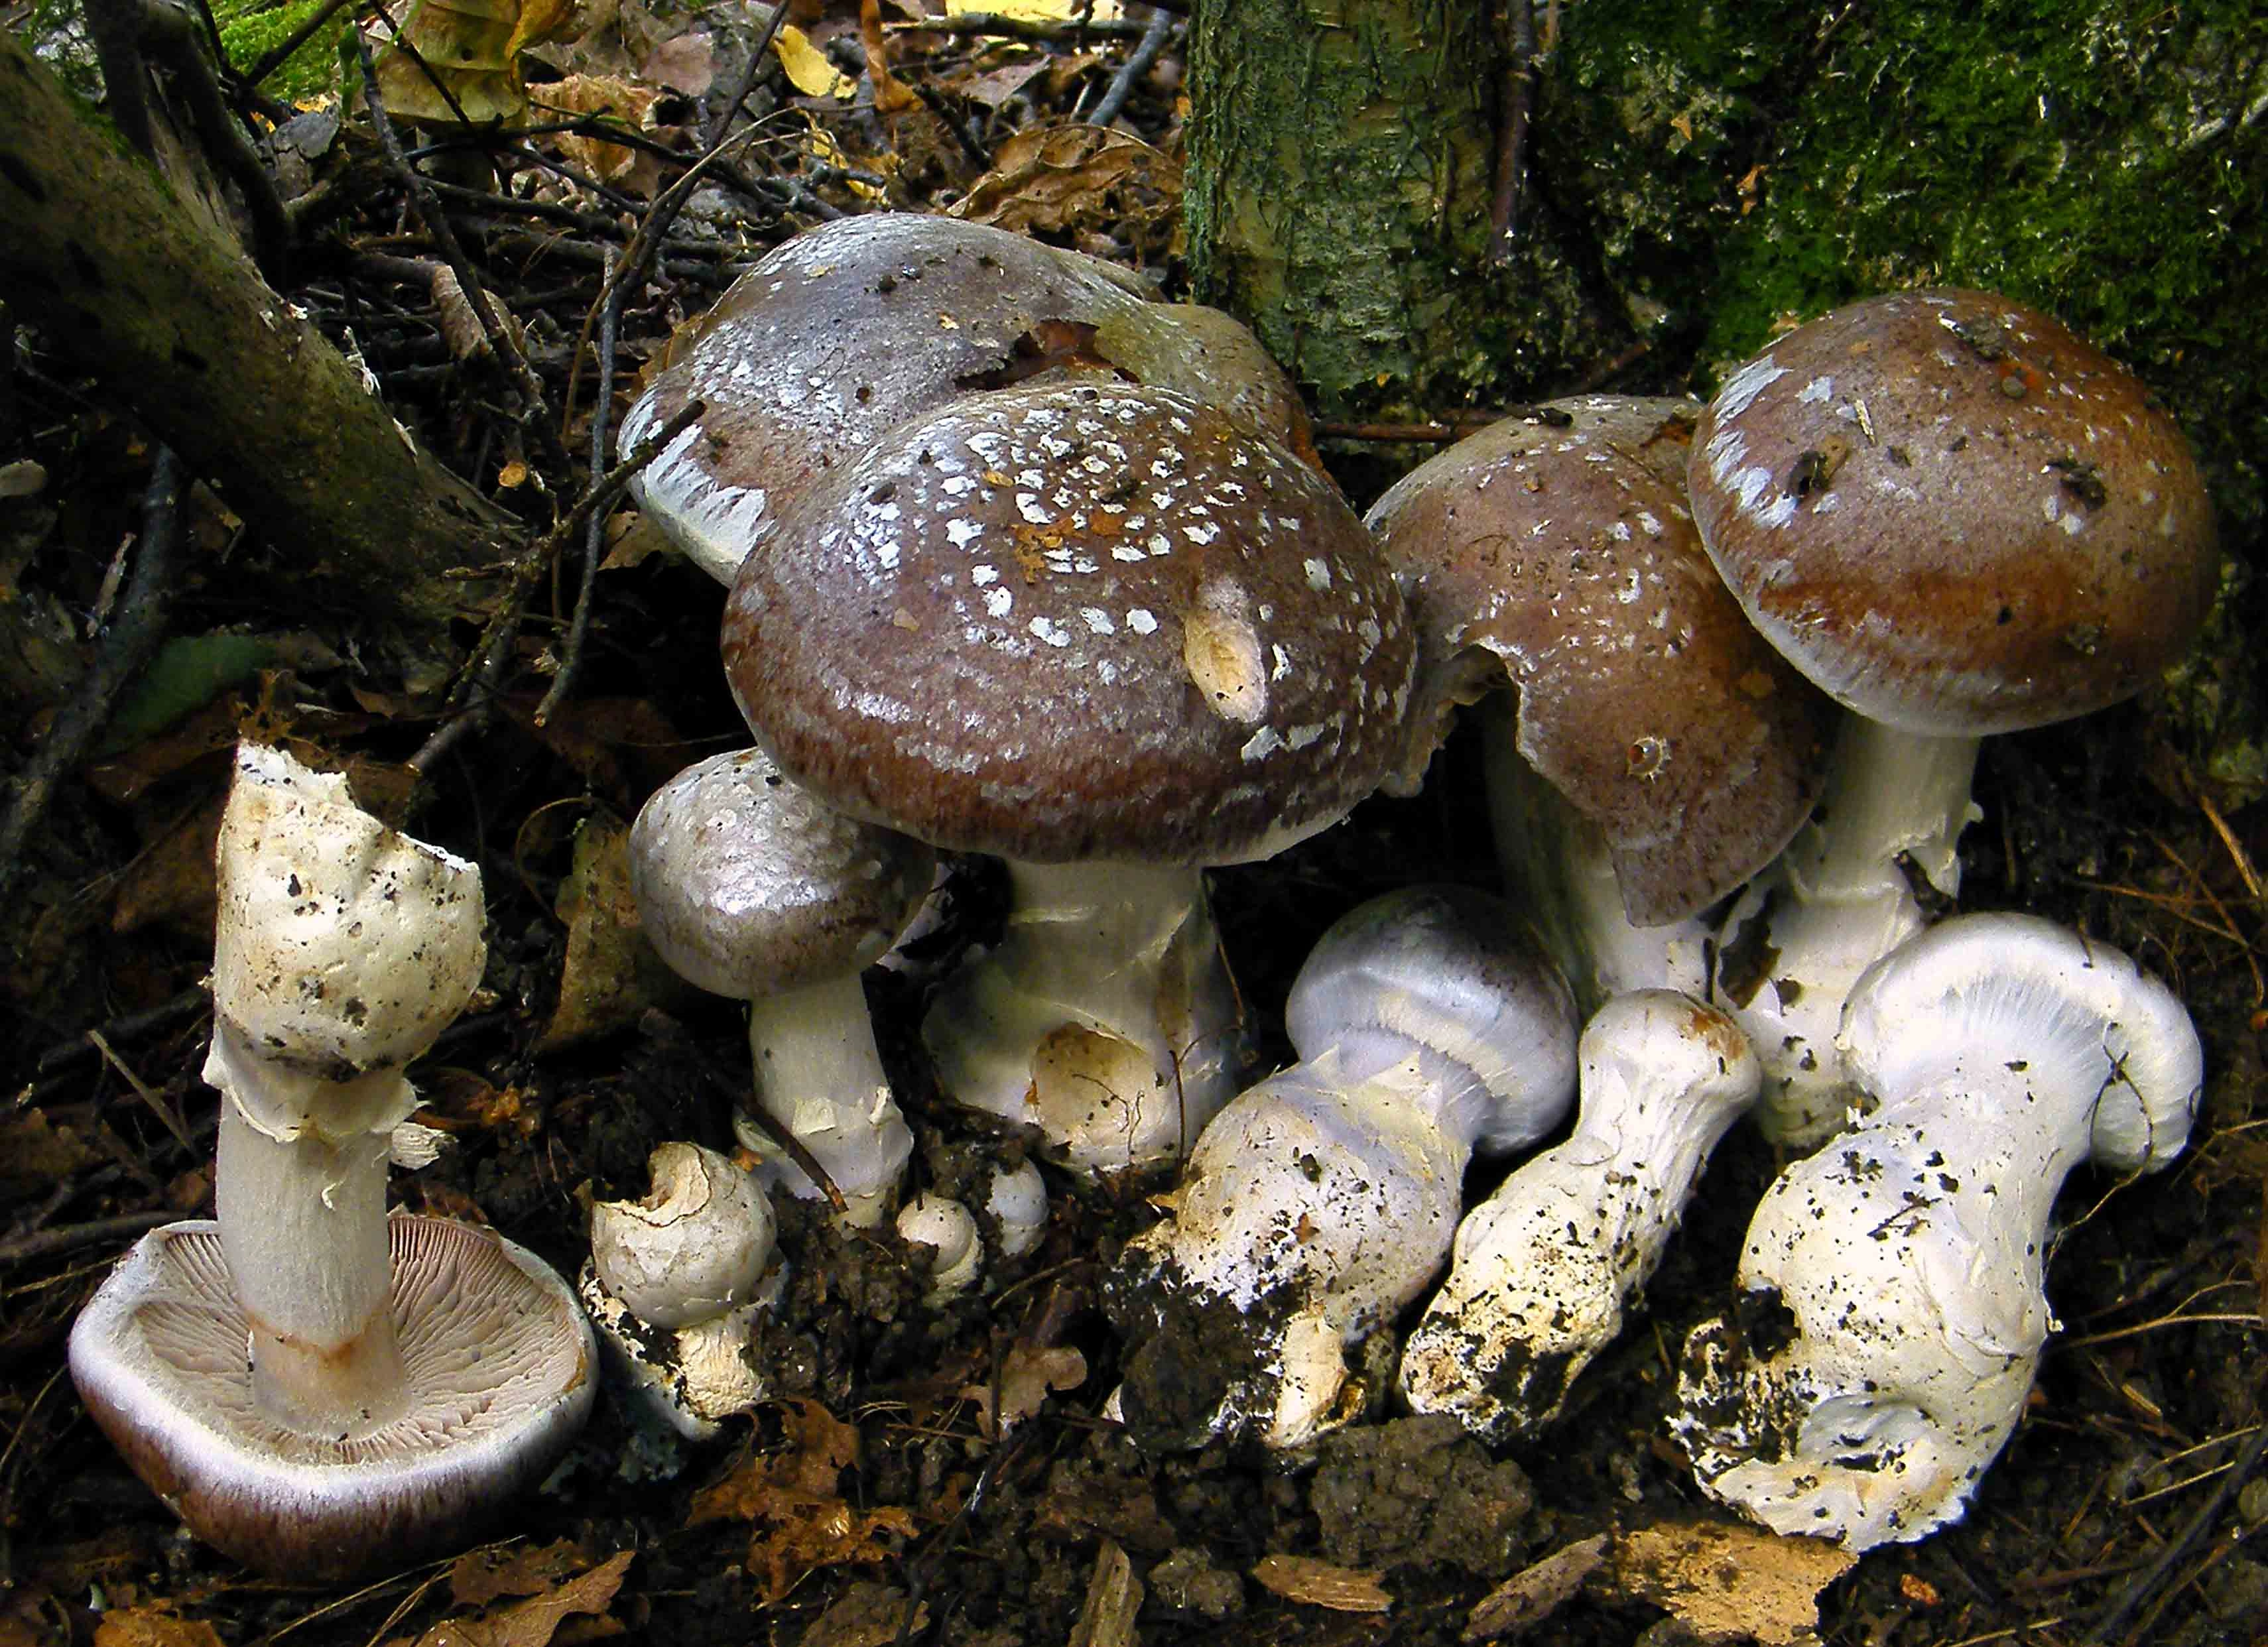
column 173, row 320
column 1342, row 158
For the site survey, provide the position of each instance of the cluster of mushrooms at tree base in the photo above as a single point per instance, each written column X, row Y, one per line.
column 1025, row 563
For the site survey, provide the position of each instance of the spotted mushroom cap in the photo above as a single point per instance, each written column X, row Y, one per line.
column 747, row 887
column 1075, row 621
column 1548, row 552
column 1953, row 515
column 864, row 321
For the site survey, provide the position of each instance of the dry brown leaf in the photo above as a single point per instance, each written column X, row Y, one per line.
column 480, row 1576
column 153, row 1626
column 33, row 1147
column 869, row 1615
column 686, row 63
column 1028, row 1373
column 461, row 325
column 1319, row 1583
column 1724, row 1582
column 471, row 47
column 1059, row 179
column 891, row 96
column 1036, row 11
column 611, row 973
column 996, row 86
column 1534, row 1592
column 794, row 1499
column 613, row 97
column 533, row 1623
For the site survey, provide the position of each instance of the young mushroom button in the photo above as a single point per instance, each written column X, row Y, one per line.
column 1111, row 635
column 317, row 1389
column 863, row 322
column 1429, row 1024
column 1957, row 519
column 1891, row 1315
column 749, row 887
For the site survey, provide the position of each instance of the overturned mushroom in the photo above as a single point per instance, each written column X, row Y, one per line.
column 1319, row 1203
column 1891, row 1313
column 1545, row 1267
column 313, row 1387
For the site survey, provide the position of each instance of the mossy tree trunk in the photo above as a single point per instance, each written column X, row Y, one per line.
column 173, row 320
column 1341, row 156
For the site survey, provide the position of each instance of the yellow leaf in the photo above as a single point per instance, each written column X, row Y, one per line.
column 1036, row 11
column 807, row 68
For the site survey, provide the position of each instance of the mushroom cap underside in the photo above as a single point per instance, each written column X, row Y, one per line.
column 497, row 1351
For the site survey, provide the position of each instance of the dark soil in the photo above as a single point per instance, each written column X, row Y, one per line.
column 2115, row 1515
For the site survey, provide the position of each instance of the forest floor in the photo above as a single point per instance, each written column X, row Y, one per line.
column 870, row 1502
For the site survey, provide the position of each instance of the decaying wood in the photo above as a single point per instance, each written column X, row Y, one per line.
column 173, row 320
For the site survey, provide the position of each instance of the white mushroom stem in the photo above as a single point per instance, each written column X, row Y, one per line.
column 1544, row 1268
column 303, row 1224
column 819, row 1075
column 1104, row 1016
column 1557, row 868
column 1892, row 1313
column 1834, row 902
column 1321, row 1201
column 1018, row 1202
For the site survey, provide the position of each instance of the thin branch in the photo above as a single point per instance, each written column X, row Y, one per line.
column 129, row 645
column 594, row 531
column 1511, row 135
column 1136, row 64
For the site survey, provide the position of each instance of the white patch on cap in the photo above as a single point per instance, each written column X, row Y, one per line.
column 997, row 602
column 1141, row 620
column 1742, row 388
column 1319, row 573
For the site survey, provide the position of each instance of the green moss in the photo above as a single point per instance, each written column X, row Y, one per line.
column 251, row 29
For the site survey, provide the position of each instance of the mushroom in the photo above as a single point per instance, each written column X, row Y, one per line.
column 1661, row 753
column 861, row 323
column 948, row 1231
column 675, row 1284
column 1018, row 1202
column 315, row 1388
column 748, row 887
column 1891, row 1313
column 1544, row 1268
column 1429, row 1024
column 1111, row 635
column 1957, row 519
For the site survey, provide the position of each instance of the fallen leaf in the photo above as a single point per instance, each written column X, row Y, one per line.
column 1036, row 11
column 1058, row 180
column 1028, row 1373
column 808, row 68
column 685, row 63
column 533, row 1623
column 610, row 98
column 1322, row 1583
column 890, row 93
column 1724, row 1582
column 153, row 1626
column 611, row 973
column 482, row 1576
column 1536, row 1592
column 869, row 1615
column 795, row 1498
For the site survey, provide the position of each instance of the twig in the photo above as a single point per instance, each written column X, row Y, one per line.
column 2129, row 1602
column 426, row 204
column 1511, row 135
column 133, row 639
column 473, row 700
column 594, row 531
column 279, row 54
column 143, row 1091
column 131, row 1027
column 1136, row 64
column 745, row 83
column 2235, row 848
column 1031, row 31
column 70, row 1237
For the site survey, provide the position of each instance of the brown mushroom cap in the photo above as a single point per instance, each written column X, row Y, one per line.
column 1953, row 515
column 859, row 324
column 500, row 1361
column 1071, row 622
column 1551, row 552
column 746, row 885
